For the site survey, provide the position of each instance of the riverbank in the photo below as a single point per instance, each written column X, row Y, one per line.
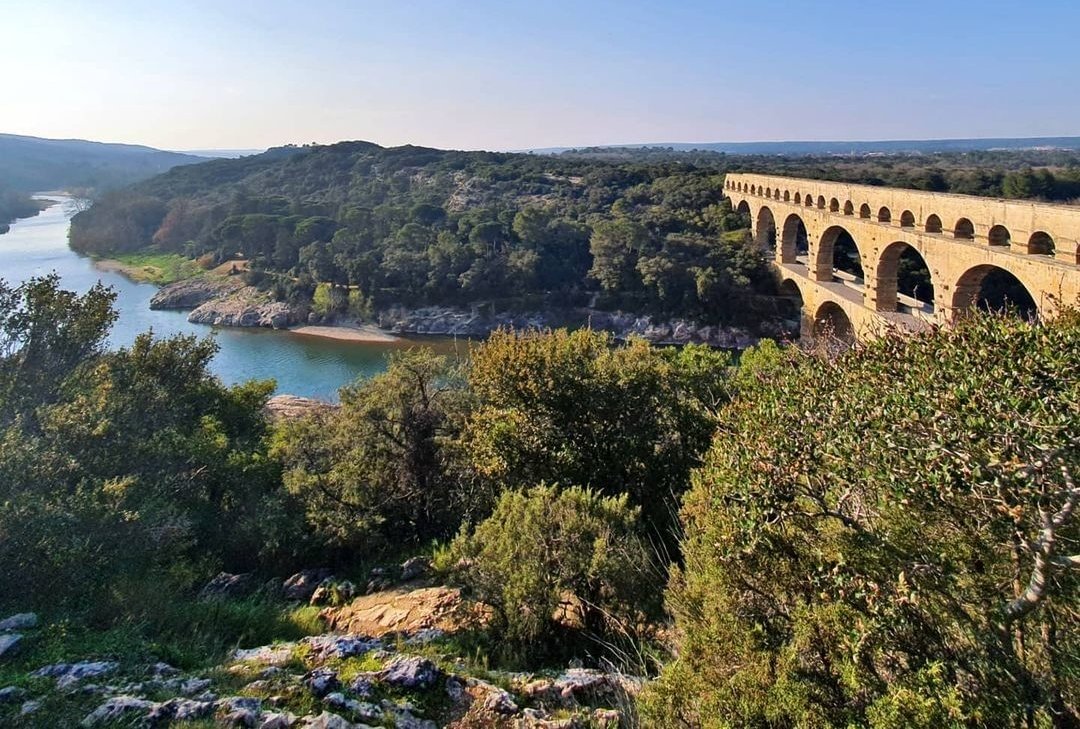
column 227, row 301
column 156, row 268
column 346, row 333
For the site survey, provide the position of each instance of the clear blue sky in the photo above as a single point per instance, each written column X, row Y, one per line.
column 512, row 74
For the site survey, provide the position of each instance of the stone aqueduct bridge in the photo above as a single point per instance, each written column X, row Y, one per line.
column 961, row 238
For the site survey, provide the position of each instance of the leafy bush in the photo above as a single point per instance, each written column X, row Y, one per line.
column 118, row 465
column 575, row 407
column 884, row 539
column 552, row 564
column 375, row 471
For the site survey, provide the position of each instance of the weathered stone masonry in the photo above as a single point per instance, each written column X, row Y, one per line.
column 960, row 237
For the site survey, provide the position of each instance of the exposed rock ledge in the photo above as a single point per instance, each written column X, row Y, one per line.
column 224, row 302
column 248, row 307
column 194, row 292
column 221, row 301
column 457, row 322
column 285, row 407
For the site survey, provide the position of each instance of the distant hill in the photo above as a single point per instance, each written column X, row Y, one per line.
column 909, row 146
column 223, row 153
column 33, row 163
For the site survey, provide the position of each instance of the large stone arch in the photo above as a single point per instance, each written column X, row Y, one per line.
column 791, row 292
column 794, row 239
column 968, row 291
column 822, row 265
column 831, row 321
column 896, row 274
column 765, row 229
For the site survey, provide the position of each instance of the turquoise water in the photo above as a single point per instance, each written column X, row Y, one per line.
column 301, row 365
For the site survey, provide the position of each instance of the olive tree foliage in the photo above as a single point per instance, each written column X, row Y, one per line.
column 578, row 408
column 114, row 464
column 45, row 333
column 551, row 564
column 376, row 471
column 888, row 538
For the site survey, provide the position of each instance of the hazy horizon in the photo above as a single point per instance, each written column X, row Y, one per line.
column 515, row 76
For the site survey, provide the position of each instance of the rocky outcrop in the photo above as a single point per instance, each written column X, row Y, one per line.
column 398, row 611
column 287, row 407
column 193, row 292
column 19, row 621
column 68, row 675
column 246, row 307
column 225, row 586
column 332, row 680
column 303, row 584
column 10, row 640
column 445, row 321
column 224, row 301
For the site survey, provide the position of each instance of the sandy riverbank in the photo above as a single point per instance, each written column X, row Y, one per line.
column 361, row 333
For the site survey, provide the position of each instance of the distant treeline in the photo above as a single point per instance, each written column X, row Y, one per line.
column 14, row 205
column 1052, row 175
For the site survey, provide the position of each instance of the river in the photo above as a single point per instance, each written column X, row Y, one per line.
column 301, row 365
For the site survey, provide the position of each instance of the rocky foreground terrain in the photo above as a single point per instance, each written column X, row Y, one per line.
column 388, row 659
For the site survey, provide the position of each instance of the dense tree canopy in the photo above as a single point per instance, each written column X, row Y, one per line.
column 555, row 566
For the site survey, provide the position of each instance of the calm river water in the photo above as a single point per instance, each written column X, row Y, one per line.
column 301, row 365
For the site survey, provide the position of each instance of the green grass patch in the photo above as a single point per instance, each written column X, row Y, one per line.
column 156, row 268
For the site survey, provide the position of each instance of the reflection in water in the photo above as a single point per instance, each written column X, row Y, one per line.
column 301, row 365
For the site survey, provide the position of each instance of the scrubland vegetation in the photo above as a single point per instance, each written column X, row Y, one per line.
column 786, row 542
column 883, row 536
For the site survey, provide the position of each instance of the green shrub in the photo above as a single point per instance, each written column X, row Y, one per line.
column 871, row 539
column 115, row 466
column 554, row 564
column 579, row 408
column 374, row 472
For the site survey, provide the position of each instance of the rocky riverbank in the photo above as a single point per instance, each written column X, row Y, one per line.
column 446, row 321
column 226, row 301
